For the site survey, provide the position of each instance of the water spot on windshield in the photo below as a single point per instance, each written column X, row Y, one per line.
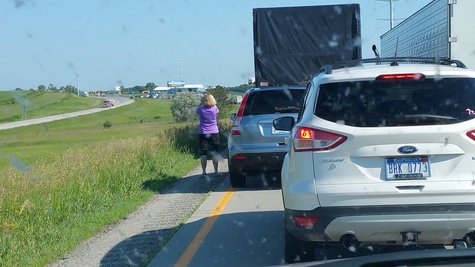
column 338, row 10
column 352, row 248
column 258, row 50
column 20, row 3
column 18, row 164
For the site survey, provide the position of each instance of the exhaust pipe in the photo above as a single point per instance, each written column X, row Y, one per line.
column 350, row 242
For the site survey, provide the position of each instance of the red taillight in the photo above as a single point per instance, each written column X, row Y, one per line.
column 235, row 132
column 471, row 134
column 401, row 76
column 239, row 157
column 242, row 106
column 308, row 139
column 239, row 114
column 307, row 222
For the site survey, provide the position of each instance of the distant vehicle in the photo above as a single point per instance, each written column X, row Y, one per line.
column 108, row 103
column 153, row 95
column 440, row 29
column 237, row 99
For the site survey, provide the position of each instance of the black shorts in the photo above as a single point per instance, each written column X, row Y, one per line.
column 209, row 144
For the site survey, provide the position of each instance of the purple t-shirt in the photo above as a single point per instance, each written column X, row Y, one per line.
column 208, row 119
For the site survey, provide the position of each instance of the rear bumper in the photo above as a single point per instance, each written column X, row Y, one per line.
column 384, row 225
column 256, row 162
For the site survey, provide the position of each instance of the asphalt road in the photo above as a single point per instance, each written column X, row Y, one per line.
column 119, row 101
column 231, row 228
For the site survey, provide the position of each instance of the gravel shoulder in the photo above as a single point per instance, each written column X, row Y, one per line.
column 132, row 241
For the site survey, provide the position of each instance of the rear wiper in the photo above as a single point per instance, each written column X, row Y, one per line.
column 288, row 109
column 429, row 117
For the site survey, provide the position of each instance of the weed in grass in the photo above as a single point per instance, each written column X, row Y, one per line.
column 107, row 124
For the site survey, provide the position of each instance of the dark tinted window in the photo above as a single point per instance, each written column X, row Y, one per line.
column 274, row 101
column 397, row 103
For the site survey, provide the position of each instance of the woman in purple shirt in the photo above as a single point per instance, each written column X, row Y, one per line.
column 208, row 132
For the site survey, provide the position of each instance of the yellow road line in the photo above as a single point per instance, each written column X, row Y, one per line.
column 195, row 244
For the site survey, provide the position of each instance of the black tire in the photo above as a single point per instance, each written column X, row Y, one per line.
column 296, row 250
column 237, row 179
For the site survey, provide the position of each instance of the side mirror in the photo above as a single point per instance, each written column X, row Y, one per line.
column 284, row 123
column 232, row 117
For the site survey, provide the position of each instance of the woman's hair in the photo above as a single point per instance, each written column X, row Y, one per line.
column 208, row 100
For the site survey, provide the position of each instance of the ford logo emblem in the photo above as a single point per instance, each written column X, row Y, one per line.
column 407, row 149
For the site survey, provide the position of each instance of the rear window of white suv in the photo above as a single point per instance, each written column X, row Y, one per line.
column 397, row 102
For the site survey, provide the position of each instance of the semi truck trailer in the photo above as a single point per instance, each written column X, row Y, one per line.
column 442, row 28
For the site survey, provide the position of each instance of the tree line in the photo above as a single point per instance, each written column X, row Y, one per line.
column 133, row 89
column 52, row 88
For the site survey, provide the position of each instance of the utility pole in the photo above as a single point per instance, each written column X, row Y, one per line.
column 77, row 79
column 179, row 70
column 391, row 12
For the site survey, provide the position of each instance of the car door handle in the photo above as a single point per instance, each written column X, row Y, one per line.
column 286, row 141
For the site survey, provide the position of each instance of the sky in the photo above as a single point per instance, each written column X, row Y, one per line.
column 132, row 42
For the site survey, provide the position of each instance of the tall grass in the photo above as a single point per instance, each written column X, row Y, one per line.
column 46, row 210
column 185, row 136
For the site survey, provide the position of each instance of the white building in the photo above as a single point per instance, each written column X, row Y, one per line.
column 160, row 89
column 194, row 88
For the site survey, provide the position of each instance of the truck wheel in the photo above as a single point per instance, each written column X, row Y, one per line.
column 296, row 250
column 237, row 179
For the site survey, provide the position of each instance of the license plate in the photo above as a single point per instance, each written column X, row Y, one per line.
column 407, row 168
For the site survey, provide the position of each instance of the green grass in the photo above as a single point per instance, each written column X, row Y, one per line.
column 62, row 182
column 40, row 104
column 49, row 209
column 143, row 118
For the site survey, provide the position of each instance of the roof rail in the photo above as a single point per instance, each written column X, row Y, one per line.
column 327, row 69
column 421, row 60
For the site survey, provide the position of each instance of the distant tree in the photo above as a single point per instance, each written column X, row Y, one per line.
column 150, row 86
column 70, row 89
column 18, row 89
column 41, row 88
column 240, row 88
column 223, row 100
column 52, row 88
column 184, row 107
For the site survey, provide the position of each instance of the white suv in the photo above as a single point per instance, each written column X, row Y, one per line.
column 381, row 154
